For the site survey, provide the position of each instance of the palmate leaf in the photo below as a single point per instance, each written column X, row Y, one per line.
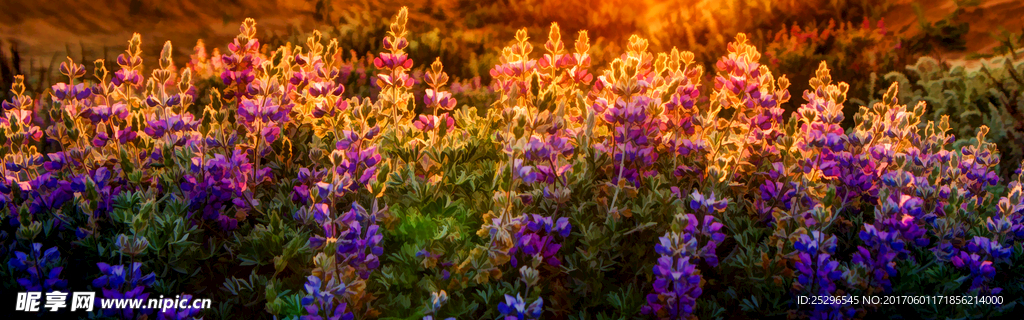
column 416, row 226
column 289, row 305
column 710, row 309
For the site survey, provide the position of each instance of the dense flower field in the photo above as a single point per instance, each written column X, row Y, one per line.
column 291, row 182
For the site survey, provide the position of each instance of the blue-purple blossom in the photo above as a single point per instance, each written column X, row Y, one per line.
column 515, row 308
column 536, row 239
column 357, row 238
column 42, row 266
column 121, row 282
column 676, row 288
column 217, row 184
column 818, row 272
column 175, row 313
column 323, row 301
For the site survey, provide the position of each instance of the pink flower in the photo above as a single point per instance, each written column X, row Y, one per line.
column 392, row 61
column 442, row 99
column 430, row 122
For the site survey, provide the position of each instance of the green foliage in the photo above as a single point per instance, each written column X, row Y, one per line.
column 989, row 94
column 453, row 204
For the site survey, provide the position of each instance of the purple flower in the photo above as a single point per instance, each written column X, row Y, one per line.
column 62, row 91
column 814, row 262
column 982, row 271
column 526, row 174
column 123, row 76
column 515, row 308
column 392, row 61
column 43, row 268
column 817, row 273
column 100, row 140
column 126, row 135
column 430, row 122
column 176, row 313
column 708, row 204
column 676, row 288
column 536, row 239
column 980, row 257
column 356, row 158
column 156, row 128
column 267, row 111
column 881, row 266
column 116, row 276
column 240, row 64
column 325, row 300
column 215, row 187
column 120, row 282
column 355, row 236
column 441, row 99
column 677, row 281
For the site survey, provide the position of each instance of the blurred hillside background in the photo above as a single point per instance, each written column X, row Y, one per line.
column 865, row 41
column 38, row 34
